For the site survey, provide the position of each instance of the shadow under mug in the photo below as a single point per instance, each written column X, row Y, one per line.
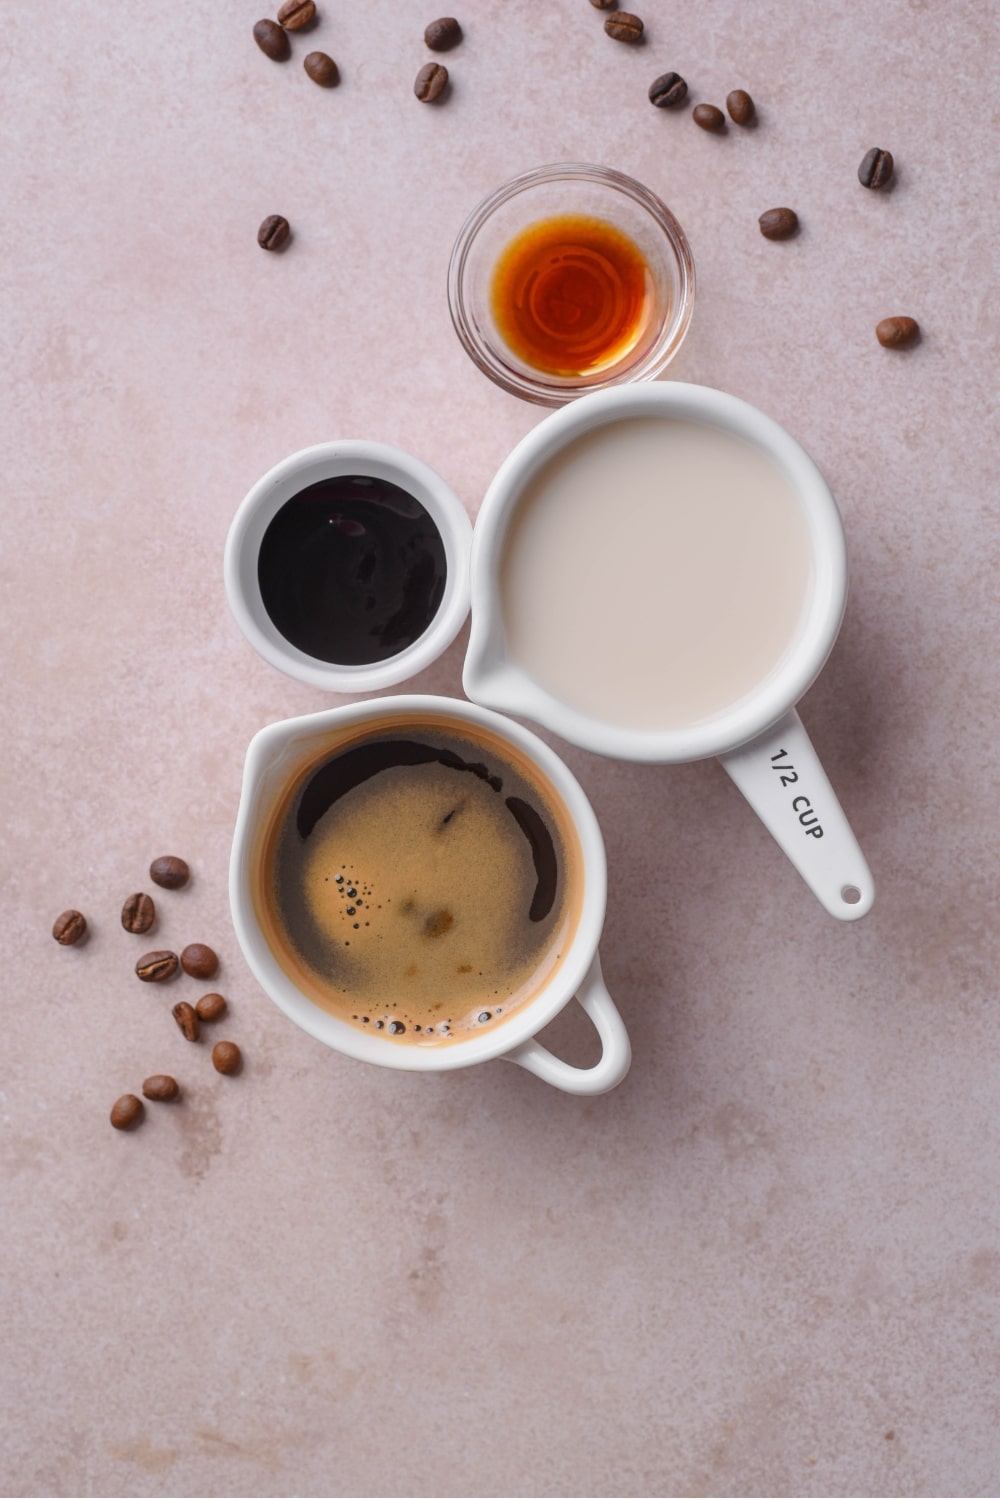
column 760, row 739
column 280, row 753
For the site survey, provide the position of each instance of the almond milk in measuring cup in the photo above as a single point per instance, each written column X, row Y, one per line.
column 659, row 573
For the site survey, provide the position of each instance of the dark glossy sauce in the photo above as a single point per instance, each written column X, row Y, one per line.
column 352, row 570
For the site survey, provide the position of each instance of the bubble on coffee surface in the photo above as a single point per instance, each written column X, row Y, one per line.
column 421, row 883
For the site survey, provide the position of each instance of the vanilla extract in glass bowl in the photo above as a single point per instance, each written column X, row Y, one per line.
column 571, row 278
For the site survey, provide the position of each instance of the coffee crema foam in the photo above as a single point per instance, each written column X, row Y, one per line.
column 421, row 881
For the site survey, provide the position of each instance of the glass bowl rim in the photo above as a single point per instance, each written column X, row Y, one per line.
column 543, row 391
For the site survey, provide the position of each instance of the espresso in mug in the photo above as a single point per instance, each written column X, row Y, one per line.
column 656, row 571
column 422, row 881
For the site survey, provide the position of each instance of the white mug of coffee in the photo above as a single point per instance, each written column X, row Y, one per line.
column 659, row 573
column 421, row 883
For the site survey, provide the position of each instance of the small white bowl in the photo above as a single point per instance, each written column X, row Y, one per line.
column 289, row 478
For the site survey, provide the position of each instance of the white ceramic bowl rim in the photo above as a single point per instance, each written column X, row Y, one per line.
column 268, row 755
column 288, row 478
column 490, row 678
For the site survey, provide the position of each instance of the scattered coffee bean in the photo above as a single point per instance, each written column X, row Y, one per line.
column 708, row 117
column 126, row 1112
column 443, row 34
column 740, row 106
column 187, row 1019
column 876, row 168
column 170, row 872
column 273, row 233
column 897, row 333
column 199, row 960
column 430, row 82
column 138, row 913
column 624, row 27
column 668, row 91
column 272, row 40
column 211, row 1007
column 69, row 927
column 161, row 1087
column 604, row 4
column 295, row 14
column 778, row 223
column 153, row 968
column 226, row 1057
column 322, row 70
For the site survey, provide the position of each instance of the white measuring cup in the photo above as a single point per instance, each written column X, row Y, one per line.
column 759, row 739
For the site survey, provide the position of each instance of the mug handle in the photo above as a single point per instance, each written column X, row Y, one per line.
column 615, row 1057
column 780, row 776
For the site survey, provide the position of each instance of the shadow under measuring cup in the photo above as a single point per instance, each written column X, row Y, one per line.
column 658, row 574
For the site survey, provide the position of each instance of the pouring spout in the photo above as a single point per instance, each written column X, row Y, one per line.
column 493, row 683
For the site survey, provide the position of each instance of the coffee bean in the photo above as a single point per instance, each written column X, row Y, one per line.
column 624, row 27
column 187, row 1019
column 430, row 82
column 876, row 168
column 126, row 1112
column 69, row 927
column 226, row 1057
column 897, row 333
column 153, row 968
column 322, row 70
column 161, row 1087
column 604, row 4
column 295, row 14
column 199, row 960
column 443, row 34
column 170, row 872
column 778, row 223
column 708, row 117
column 211, row 1007
column 668, row 91
column 271, row 40
column 273, row 233
column 740, row 106
column 138, row 913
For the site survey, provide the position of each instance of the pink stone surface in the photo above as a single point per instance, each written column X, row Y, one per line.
column 769, row 1263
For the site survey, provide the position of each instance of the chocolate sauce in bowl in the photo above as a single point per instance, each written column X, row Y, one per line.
column 352, row 570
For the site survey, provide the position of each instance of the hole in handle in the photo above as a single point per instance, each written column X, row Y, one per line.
column 850, row 895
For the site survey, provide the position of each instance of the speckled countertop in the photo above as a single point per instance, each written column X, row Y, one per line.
column 769, row 1263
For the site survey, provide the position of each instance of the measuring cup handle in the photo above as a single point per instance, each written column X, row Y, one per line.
column 780, row 776
column 616, row 1052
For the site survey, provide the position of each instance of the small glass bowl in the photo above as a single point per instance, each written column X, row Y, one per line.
column 570, row 188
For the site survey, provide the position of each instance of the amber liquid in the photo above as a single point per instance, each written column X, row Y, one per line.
column 572, row 295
